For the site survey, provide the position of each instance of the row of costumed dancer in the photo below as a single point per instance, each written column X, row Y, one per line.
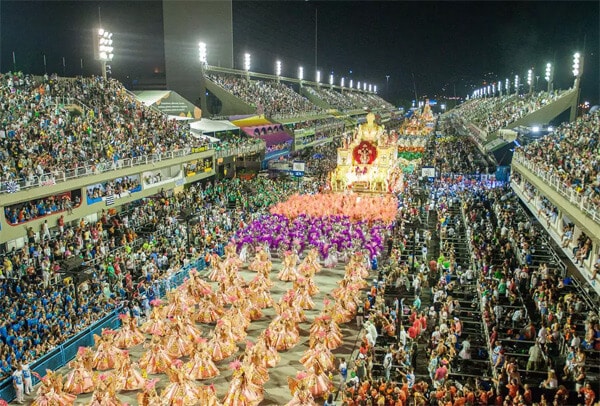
column 231, row 307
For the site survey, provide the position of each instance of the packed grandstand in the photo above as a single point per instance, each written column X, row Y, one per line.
column 480, row 290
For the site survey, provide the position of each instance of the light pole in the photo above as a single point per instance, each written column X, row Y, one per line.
column 549, row 77
column 530, row 80
column 247, row 59
column 202, row 55
column 278, row 70
column 517, row 85
column 103, row 49
column 300, row 75
column 577, row 71
column 318, row 78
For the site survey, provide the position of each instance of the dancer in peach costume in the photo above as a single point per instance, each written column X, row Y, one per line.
column 149, row 396
column 129, row 335
column 156, row 324
column 197, row 287
column 326, row 323
column 201, row 366
column 288, row 271
column 217, row 268
column 181, row 390
column 105, row 393
column 208, row 309
column 283, row 331
column 222, row 342
column 319, row 382
column 261, row 262
column 254, row 357
column 127, row 374
column 232, row 259
column 156, row 359
column 312, row 260
column 81, row 378
column 302, row 287
column 308, row 272
column 178, row 342
column 318, row 351
column 270, row 357
column 300, row 390
column 51, row 393
column 106, row 351
column 242, row 389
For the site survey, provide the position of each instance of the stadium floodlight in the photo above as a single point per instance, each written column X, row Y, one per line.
column 342, row 80
column 278, row 68
column 500, row 87
column 549, row 76
column 331, row 80
column 375, row 89
column 370, row 88
column 318, row 76
column 517, row 84
column 365, row 86
column 301, row 73
column 247, row 60
column 530, row 80
column 202, row 53
column 576, row 64
column 507, row 87
column 358, row 85
column 103, row 49
column 493, row 89
column 351, row 83
column 489, row 90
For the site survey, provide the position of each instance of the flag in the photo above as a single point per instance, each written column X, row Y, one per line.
column 12, row 186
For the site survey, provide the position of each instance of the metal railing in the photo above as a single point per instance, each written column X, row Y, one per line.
column 577, row 199
column 12, row 186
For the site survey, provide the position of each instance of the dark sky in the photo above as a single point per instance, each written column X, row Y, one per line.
column 445, row 45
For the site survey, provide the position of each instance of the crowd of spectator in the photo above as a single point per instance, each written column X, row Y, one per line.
column 115, row 186
column 34, row 209
column 54, row 128
column 333, row 98
column 493, row 113
column 275, row 100
column 570, row 154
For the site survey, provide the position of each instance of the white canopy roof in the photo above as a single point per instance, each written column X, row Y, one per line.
column 206, row 125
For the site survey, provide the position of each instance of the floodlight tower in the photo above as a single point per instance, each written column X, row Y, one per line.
column 202, row 55
column 530, row 80
column 278, row 70
column 517, row 85
column 577, row 72
column 300, row 75
column 331, row 81
column 247, row 65
column 318, row 78
column 549, row 77
column 103, row 49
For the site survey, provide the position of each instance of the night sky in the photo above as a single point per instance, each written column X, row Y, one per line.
column 449, row 47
